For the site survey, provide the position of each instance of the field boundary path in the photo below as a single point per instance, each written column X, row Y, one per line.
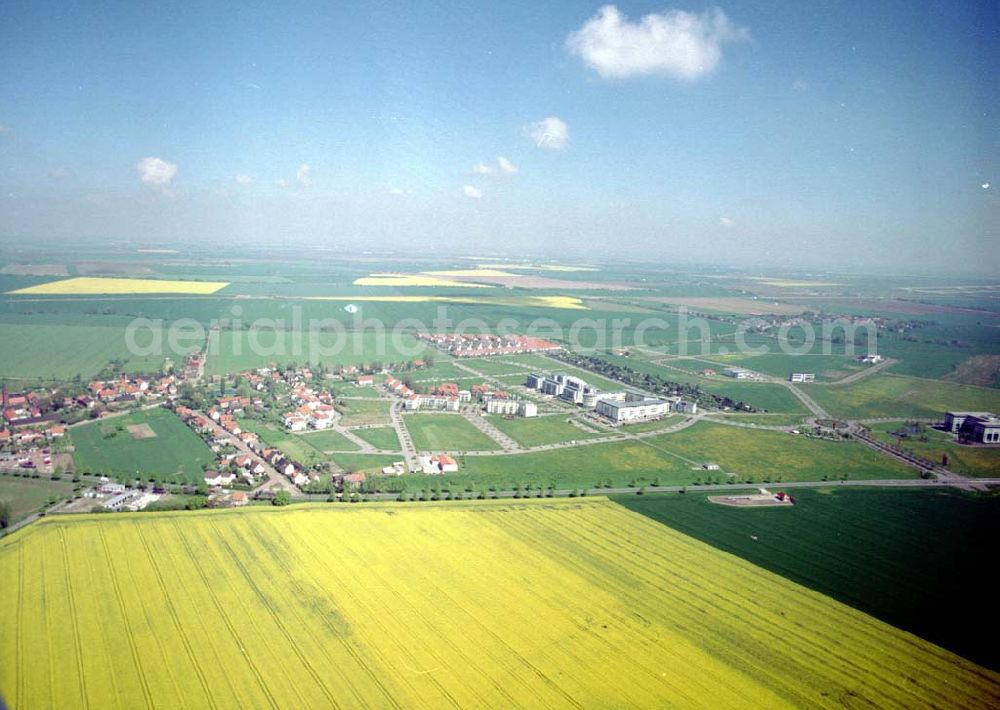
column 854, row 377
column 366, row 447
column 403, row 434
column 473, row 417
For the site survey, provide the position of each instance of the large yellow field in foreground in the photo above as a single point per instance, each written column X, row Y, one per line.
column 85, row 285
column 487, row 604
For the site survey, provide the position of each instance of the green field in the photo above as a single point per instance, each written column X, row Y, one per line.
column 770, row 454
column 675, row 459
column 367, row 463
column 302, row 448
column 908, row 557
column 641, row 427
column 108, row 447
column 898, row 396
column 965, row 460
column 27, row 495
column 328, row 441
column 446, row 432
column 380, row 437
column 535, row 431
column 64, row 351
column 236, row 351
column 346, row 389
column 356, row 412
column 825, row 367
column 494, row 367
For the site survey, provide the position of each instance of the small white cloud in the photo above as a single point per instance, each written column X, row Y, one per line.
column 471, row 192
column 506, row 167
column 800, row 85
column 681, row 44
column 397, row 191
column 156, row 172
column 727, row 222
column 282, row 182
column 60, row 173
column 985, row 186
column 303, row 176
column 550, row 133
column 243, row 179
column 502, row 165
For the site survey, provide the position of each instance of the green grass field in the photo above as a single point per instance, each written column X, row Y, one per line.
column 236, row 351
column 303, row 448
column 966, row 460
column 380, row 437
column 64, row 351
column 26, row 495
column 897, row 396
column 356, row 412
column 108, row 447
column 446, row 432
column 770, row 454
column 494, row 366
column 640, row 427
column 908, row 557
column 346, row 389
column 328, row 441
column 825, row 367
column 674, row 460
column 536, row 431
column 367, row 463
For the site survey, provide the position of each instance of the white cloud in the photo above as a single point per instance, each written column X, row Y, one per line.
column 303, row 175
column 681, row 44
column 551, row 133
column 727, row 222
column 503, row 165
column 471, row 192
column 397, row 191
column 156, row 172
column 985, row 186
column 506, row 167
column 243, row 179
column 282, row 182
column 800, row 85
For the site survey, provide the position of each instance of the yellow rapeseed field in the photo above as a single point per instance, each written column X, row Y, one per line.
column 86, row 285
column 504, row 604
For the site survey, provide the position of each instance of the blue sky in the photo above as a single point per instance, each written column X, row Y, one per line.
column 783, row 132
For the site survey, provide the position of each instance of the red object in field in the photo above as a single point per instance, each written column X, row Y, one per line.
column 781, row 495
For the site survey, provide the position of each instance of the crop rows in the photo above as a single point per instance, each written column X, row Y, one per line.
column 528, row 604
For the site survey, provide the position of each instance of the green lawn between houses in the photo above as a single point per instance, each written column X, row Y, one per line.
column 383, row 437
column 108, row 447
column 446, row 432
column 535, row 431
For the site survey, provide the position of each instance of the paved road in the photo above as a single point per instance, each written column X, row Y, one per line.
column 274, row 479
column 403, row 434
